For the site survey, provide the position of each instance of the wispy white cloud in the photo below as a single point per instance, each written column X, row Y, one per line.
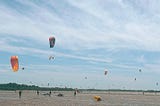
column 129, row 31
column 44, row 53
column 99, row 27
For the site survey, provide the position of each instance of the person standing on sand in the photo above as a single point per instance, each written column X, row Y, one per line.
column 75, row 93
column 50, row 93
column 37, row 92
column 20, row 92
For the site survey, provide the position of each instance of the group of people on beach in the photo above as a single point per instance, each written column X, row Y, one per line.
column 20, row 93
column 75, row 92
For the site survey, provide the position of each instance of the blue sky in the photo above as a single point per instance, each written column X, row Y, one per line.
column 121, row 36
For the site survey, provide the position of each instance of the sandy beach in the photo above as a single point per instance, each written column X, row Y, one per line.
column 30, row 98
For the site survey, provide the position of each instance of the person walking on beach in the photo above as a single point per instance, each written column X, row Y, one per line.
column 20, row 93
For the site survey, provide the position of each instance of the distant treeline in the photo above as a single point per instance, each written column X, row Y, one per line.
column 14, row 86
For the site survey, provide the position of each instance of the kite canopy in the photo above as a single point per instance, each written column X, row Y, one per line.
column 97, row 98
column 14, row 63
column 52, row 41
column 51, row 57
column 135, row 79
column 105, row 72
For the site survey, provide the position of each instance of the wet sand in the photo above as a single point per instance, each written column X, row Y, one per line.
column 30, row 98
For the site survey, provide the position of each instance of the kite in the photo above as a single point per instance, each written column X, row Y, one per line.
column 52, row 41
column 97, row 98
column 51, row 57
column 22, row 68
column 14, row 63
column 105, row 72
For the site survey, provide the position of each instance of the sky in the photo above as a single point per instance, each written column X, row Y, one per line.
column 121, row 36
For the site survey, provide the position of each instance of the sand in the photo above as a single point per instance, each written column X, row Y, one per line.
column 30, row 98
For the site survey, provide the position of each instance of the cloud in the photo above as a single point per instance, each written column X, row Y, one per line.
column 93, row 27
column 44, row 53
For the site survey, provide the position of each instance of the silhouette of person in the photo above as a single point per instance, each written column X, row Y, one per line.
column 37, row 92
column 75, row 93
column 20, row 93
column 50, row 93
